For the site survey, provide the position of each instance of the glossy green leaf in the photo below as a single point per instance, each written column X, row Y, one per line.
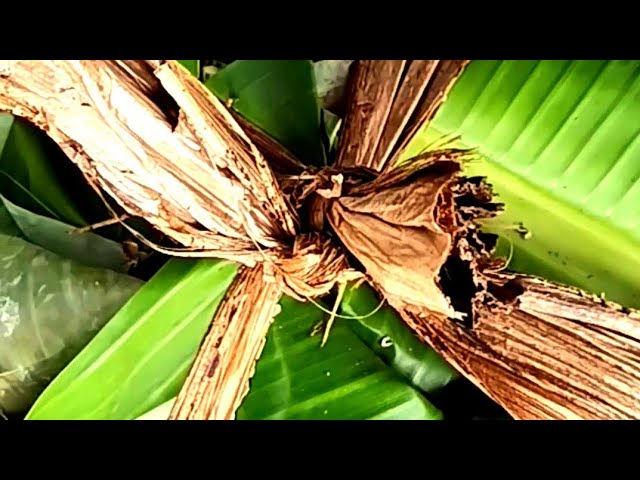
column 560, row 145
column 192, row 65
column 140, row 359
column 57, row 237
column 7, row 224
column 50, row 307
column 389, row 337
column 27, row 176
column 278, row 96
column 297, row 379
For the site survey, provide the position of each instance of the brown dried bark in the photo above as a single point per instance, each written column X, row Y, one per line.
column 165, row 149
column 543, row 351
column 150, row 136
column 219, row 378
column 388, row 101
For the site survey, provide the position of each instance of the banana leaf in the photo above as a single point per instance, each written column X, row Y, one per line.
column 50, row 307
column 392, row 341
column 35, row 174
column 57, row 237
column 557, row 143
column 192, row 65
column 295, row 379
column 279, row 97
column 141, row 357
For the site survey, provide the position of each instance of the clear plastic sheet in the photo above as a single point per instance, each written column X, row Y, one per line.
column 50, row 308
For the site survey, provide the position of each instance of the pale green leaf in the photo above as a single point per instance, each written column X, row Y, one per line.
column 331, row 81
column 50, row 307
column 141, row 358
column 560, row 146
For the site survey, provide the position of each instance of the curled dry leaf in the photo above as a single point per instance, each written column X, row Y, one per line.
column 394, row 234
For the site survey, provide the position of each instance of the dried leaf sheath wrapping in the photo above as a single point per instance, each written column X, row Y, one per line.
column 159, row 143
column 548, row 353
column 388, row 101
column 219, row 378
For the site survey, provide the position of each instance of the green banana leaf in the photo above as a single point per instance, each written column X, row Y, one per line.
column 57, row 237
column 36, row 175
column 295, row 379
column 8, row 225
column 192, row 65
column 386, row 335
column 558, row 141
column 278, row 96
column 141, row 357
column 50, row 307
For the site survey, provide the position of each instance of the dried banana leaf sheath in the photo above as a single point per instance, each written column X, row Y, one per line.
column 155, row 140
column 219, row 378
column 550, row 352
column 388, row 101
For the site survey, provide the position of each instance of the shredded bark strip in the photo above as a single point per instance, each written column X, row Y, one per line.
column 165, row 149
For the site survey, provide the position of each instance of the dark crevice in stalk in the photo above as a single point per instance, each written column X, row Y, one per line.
column 461, row 277
column 457, row 283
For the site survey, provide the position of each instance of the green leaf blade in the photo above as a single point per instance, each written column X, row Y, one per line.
column 387, row 335
column 140, row 359
column 57, row 237
column 26, row 174
column 297, row 379
column 558, row 147
column 192, row 65
column 279, row 97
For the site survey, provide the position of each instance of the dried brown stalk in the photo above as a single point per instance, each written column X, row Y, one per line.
column 219, row 378
column 388, row 102
column 159, row 143
column 156, row 141
column 545, row 352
